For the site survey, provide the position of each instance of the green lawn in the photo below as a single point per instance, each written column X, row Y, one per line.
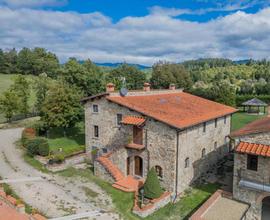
column 124, row 201
column 240, row 119
column 72, row 142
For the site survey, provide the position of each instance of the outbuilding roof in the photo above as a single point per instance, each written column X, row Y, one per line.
column 180, row 109
column 259, row 126
column 254, row 102
column 253, row 148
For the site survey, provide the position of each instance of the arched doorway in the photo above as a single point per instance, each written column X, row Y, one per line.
column 266, row 208
column 138, row 166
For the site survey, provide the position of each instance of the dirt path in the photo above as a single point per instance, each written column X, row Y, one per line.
column 54, row 195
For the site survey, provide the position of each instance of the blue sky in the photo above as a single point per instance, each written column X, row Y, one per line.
column 138, row 31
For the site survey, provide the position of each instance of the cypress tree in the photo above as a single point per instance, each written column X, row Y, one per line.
column 152, row 188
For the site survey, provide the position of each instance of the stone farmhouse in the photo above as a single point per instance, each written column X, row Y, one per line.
column 251, row 182
column 179, row 134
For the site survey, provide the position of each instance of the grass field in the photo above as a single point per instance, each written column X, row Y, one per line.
column 240, row 119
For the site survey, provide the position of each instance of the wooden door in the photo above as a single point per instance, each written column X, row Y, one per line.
column 128, row 166
column 138, row 166
column 137, row 135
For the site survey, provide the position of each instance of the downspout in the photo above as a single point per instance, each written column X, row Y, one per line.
column 176, row 164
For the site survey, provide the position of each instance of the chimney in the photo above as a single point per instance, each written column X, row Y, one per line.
column 110, row 87
column 172, row 87
column 146, row 87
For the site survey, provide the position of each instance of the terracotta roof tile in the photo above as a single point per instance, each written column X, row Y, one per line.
column 133, row 120
column 252, row 148
column 258, row 126
column 179, row 110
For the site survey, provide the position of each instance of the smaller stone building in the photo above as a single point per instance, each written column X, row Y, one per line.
column 251, row 182
column 181, row 135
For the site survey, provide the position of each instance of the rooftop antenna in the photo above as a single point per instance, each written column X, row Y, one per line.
column 123, row 90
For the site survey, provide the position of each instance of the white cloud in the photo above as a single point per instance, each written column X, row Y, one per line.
column 145, row 40
column 32, row 3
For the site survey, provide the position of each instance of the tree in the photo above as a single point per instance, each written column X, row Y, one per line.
column 10, row 62
column 134, row 78
column 25, row 61
column 61, row 107
column 2, row 61
column 223, row 92
column 166, row 73
column 21, row 87
column 152, row 189
column 87, row 76
column 9, row 104
column 41, row 87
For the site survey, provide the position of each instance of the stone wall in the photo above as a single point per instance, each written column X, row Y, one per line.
column 191, row 143
column 262, row 175
column 100, row 171
column 154, row 205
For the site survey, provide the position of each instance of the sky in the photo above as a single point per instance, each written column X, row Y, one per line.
column 138, row 31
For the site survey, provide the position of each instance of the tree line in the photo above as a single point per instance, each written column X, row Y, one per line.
column 59, row 87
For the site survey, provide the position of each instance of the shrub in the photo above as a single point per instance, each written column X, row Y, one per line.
column 7, row 189
column 152, row 189
column 32, row 147
column 37, row 146
column 58, row 158
column 43, row 147
column 28, row 133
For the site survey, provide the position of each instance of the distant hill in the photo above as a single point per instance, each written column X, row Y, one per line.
column 114, row 65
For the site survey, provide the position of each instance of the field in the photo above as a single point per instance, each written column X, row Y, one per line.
column 240, row 119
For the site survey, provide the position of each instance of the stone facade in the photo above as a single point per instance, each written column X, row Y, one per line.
column 251, row 196
column 160, row 142
column 192, row 142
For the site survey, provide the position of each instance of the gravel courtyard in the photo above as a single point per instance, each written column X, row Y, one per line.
column 53, row 195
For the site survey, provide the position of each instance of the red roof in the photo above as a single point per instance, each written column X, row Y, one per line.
column 179, row 110
column 252, row 148
column 6, row 213
column 255, row 127
column 133, row 120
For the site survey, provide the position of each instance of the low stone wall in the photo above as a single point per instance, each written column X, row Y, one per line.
column 75, row 159
column 153, row 206
column 101, row 172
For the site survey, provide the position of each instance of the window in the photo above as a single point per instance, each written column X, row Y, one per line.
column 204, row 127
column 159, row 171
column 96, row 131
column 252, row 162
column 215, row 122
column 95, row 108
column 104, row 150
column 203, row 152
column 187, row 162
column 119, row 119
column 225, row 119
column 215, row 145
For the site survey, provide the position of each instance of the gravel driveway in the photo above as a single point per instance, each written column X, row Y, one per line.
column 54, row 195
